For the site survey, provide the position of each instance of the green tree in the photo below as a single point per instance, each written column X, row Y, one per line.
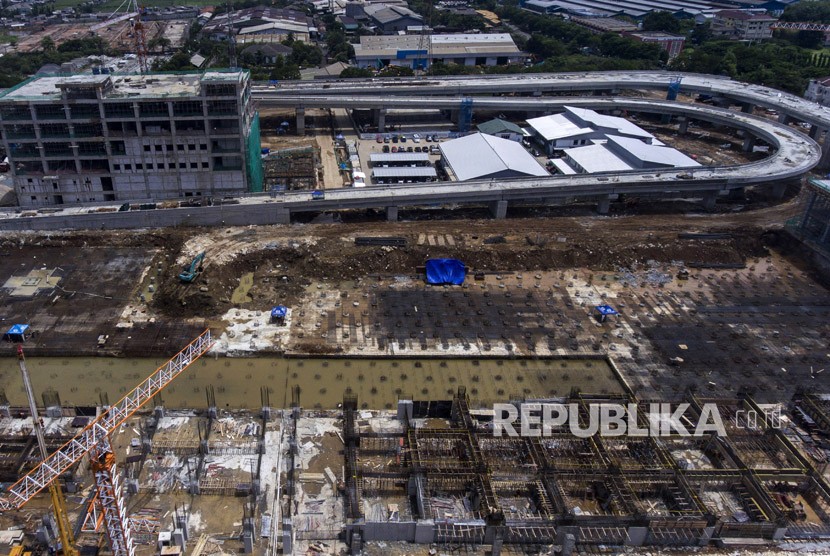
column 815, row 11
column 47, row 44
column 701, row 33
column 661, row 21
column 158, row 43
column 355, row 72
column 396, row 71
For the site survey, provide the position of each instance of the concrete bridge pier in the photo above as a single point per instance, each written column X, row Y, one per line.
column 300, row 121
column 380, row 119
column 684, row 125
column 749, row 142
column 747, row 108
column 392, row 214
column 604, row 205
column 815, row 132
column 282, row 216
column 824, row 163
column 777, row 190
column 710, row 198
column 498, row 209
column 784, row 119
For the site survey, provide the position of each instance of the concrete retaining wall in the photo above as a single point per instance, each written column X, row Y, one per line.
column 226, row 215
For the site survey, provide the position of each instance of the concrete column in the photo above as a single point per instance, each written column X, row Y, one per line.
column 825, row 234
column 783, row 119
column 636, row 536
column 825, row 153
column 684, row 126
column 736, row 194
column 282, row 216
column 300, row 121
column 380, row 119
column 815, row 132
column 777, row 191
column 749, row 142
column 747, row 108
column 604, row 205
column 709, row 199
column 392, row 214
column 454, row 116
column 498, row 209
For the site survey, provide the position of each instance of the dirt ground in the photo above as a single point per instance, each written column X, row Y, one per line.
column 118, row 35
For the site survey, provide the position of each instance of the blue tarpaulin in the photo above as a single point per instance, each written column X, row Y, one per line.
column 446, row 271
column 17, row 333
column 279, row 312
column 605, row 311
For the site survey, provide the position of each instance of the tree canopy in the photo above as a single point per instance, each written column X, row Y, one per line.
column 815, row 11
column 661, row 21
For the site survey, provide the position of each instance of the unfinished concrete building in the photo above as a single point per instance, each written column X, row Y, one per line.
column 442, row 477
column 93, row 138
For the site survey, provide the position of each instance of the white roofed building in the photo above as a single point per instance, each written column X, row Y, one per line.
column 481, row 156
column 620, row 154
column 579, row 126
column 486, row 49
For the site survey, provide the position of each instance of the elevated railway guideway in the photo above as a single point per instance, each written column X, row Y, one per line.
column 794, row 153
column 789, row 106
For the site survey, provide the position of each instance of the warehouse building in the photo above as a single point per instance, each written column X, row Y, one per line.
column 261, row 24
column 486, row 49
column 502, row 128
column 579, row 127
column 93, row 138
column 621, row 154
column 403, row 174
column 399, row 159
column 481, row 156
column 392, row 19
column 636, row 9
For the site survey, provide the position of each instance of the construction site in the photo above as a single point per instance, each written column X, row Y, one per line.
column 362, row 421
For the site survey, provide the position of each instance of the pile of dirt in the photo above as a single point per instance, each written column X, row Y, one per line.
column 282, row 272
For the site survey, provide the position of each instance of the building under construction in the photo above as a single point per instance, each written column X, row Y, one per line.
column 453, row 483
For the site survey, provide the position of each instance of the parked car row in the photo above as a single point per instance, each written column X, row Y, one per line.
column 395, row 149
column 416, row 138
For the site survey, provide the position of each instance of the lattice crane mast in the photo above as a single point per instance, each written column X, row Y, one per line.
column 94, row 440
column 65, row 533
column 800, row 26
column 133, row 15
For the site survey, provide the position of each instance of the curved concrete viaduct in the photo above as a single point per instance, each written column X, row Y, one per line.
column 795, row 153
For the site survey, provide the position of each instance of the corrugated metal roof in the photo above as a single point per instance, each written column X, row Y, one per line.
column 479, row 155
column 440, row 45
column 598, row 120
column 398, row 157
column 575, row 122
column 557, row 126
column 562, row 166
column 405, row 172
column 497, row 125
column 652, row 154
column 597, row 158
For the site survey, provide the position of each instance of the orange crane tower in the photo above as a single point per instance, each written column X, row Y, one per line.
column 94, row 440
